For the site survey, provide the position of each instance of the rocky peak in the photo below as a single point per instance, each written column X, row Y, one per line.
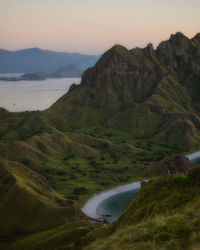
column 115, row 60
column 149, row 50
column 174, row 44
column 138, row 71
column 121, row 71
column 196, row 38
column 178, row 36
column 178, row 164
column 175, row 51
column 116, row 54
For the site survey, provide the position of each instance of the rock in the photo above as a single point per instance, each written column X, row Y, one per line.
column 143, row 183
column 149, row 50
column 178, row 164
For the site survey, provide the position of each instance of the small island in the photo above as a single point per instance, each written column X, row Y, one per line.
column 66, row 72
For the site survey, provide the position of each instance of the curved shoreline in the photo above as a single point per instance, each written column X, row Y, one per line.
column 90, row 208
column 193, row 156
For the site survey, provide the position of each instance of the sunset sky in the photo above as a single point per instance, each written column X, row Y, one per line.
column 92, row 26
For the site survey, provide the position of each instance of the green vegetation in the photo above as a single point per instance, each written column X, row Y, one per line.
column 132, row 111
column 163, row 232
column 31, row 211
column 164, row 215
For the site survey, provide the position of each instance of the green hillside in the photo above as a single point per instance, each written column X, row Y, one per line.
column 145, row 92
column 164, row 215
column 133, row 115
column 30, row 206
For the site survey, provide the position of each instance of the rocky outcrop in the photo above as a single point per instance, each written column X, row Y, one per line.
column 142, row 91
column 177, row 164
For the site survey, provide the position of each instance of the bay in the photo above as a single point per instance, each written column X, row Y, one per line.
column 110, row 204
column 114, row 206
column 32, row 95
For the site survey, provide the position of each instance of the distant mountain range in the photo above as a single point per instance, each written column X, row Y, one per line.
column 37, row 60
column 129, row 119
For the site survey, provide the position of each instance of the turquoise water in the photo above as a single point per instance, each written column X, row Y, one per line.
column 115, row 205
column 194, row 158
column 196, row 162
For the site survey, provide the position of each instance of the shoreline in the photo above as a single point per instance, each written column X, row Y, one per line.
column 90, row 207
column 193, row 156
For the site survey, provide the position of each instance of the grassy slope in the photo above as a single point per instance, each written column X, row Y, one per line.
column 81, row 157
column 140, row 92
column 164, row 215
column 160, row 233
column 29, row 207
column 87, row 158
column 122, row 133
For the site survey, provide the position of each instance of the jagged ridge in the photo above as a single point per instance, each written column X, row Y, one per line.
column 150, row 93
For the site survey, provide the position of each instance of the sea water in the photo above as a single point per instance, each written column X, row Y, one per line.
column 114, row 206
column 110, row 204
column 194, row 157
column 17, row 96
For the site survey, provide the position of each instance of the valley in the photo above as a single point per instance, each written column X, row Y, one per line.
column 134, row 116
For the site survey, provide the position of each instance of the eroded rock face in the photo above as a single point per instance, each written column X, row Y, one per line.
column 178, row 164
column 146, row 92
column 120, row 68
column 180, row 53
column 196, row 38
column 140, row 70
column 37, row 178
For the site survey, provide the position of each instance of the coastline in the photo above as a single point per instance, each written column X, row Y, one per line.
column 193, row 156
column 90, row 207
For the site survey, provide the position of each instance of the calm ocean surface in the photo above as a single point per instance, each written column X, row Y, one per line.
column 32, row 95
column 116, row 204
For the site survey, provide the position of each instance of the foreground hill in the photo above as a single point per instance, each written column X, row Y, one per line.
column 31, row 210
column 164, row 215
column 37, row 60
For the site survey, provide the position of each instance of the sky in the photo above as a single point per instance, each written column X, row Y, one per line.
column 93, row 26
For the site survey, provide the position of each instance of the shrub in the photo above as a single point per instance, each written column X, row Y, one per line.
column 73, row 197
column 194, row 174
column 80, row 190
column 72, row 176
column 61, row 172
column 26, row 162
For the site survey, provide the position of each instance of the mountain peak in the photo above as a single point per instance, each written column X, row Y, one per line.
column 116, row 53
column 149, row 50
column 178, row 35
column 117, row 49
column 196, row 37
column 179, row 39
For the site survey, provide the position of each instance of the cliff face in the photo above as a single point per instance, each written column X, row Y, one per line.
column 130, row 74
column 181, row 56
column 147, row 92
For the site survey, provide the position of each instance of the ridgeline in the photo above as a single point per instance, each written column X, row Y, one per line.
column 133, row 115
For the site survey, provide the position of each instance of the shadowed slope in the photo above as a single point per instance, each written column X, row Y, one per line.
column 147, row 92
column 29, row 205
column 163, row 215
